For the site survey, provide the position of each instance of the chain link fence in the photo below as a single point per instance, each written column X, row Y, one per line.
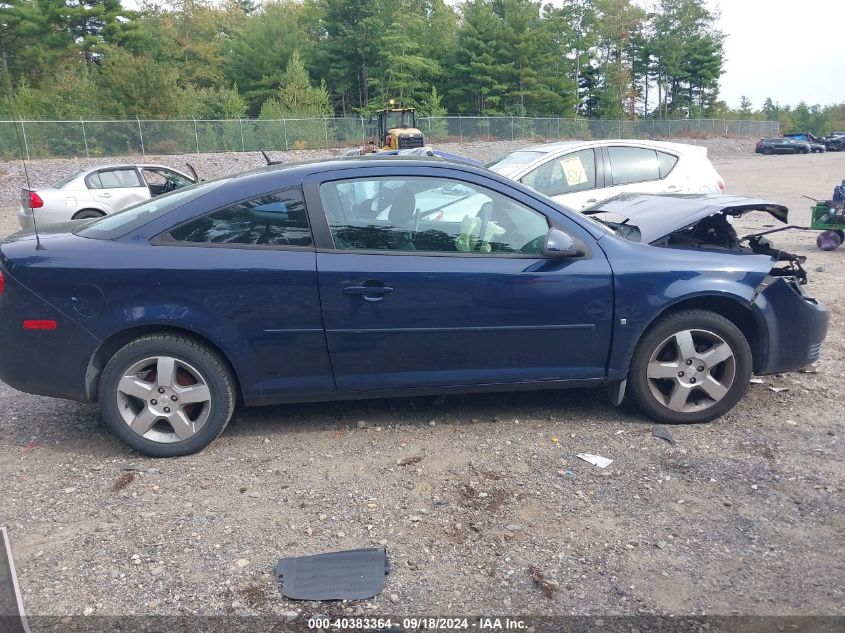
column 76, row 139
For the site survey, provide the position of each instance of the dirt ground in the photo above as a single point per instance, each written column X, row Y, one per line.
column 744, row 515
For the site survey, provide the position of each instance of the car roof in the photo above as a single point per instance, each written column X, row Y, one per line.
column 558, row 146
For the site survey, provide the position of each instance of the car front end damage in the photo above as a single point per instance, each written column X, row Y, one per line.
column 792, row 324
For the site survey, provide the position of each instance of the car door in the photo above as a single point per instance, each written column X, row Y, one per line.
column 251, row 266
column 574, row 179
column 424, row 302
column 161, row 180
column 117, row 187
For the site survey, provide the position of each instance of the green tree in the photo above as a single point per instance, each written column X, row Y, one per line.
column 297, row 97
column 259, row 50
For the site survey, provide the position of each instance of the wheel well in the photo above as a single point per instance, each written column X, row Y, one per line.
column 111, row 345
column 733, row 311
column 99, row 211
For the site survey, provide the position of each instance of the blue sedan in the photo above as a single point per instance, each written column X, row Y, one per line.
column 359, row 278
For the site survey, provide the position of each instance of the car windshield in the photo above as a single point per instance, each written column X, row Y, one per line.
column 66, row 180
column 118, row 224
column 511, row 163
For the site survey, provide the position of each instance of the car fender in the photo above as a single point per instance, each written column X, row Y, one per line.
column 137, row 319
column 648, row 285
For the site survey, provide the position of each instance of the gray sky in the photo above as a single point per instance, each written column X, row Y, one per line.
column 783, row 49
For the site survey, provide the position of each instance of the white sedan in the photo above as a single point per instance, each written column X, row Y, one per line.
column 579, row 174
column 99, row 191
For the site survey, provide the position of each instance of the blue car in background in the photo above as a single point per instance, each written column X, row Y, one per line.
column 358, row 278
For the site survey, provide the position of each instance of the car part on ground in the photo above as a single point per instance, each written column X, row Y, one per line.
column 98, row 191
column 578, row 174
column 349, row 575
column 361, row 278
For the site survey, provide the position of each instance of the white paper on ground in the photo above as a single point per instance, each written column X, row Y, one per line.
column 595, row 460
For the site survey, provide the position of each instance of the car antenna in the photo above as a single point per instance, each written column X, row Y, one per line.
column 269, row 160
column 809, row 198
column 38, row 245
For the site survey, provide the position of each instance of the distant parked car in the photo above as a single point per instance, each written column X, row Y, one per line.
column 580, row 173
column 98, row 191
column 817, row 145
column 835, row 142
column 781, row 145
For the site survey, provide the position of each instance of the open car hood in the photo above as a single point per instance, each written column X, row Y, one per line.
column 658, row 215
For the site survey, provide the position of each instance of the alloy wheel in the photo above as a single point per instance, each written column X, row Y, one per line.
column 691, row 370
column 163, row 399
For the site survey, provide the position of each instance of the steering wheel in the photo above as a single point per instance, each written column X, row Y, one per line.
column 169, row 185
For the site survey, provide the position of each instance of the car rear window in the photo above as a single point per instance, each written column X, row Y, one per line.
column 666, row 162
column 66, row 180
column 118, row 224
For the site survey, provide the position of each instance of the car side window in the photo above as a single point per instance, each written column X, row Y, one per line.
column 114, row 179
column 429, row 215
column 273, row 219
column 666, row 163
column 565, row 174
column 633, row 164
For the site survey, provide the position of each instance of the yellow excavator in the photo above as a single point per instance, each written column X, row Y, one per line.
column 397, row 128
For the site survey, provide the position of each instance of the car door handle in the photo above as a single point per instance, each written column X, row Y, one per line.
column 105, row 195
column 673, row 188
column 370, row 293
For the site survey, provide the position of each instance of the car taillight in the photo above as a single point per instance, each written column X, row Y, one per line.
column 2, row 283
column 35, row 201
column 721, row 184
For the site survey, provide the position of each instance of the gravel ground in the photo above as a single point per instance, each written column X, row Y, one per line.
column 744, row 515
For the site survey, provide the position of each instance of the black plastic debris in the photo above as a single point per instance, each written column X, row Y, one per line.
column 658, row 430
column 350, row 575
column 12, row 619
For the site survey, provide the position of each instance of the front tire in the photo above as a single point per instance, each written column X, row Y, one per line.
column 166, row 395
column 690, row 366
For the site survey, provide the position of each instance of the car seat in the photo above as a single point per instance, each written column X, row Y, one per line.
column 403, row 218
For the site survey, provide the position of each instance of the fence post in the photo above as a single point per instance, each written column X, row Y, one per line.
column 196, row 134
column 25, row 142
column 558, row 125
column 285, row 124
column 429, row 128
column 241, row 123
column 461, row 128
column 326, row 123
column 363, row 134
column 512, row 127
column 141, row 136
column 84, row 138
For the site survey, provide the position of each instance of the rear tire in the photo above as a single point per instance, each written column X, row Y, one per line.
column 87, row 214
column 690, row 366
column 166, row 395
column 767, row 151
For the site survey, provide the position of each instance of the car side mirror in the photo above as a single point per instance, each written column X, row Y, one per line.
column 561, row 244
